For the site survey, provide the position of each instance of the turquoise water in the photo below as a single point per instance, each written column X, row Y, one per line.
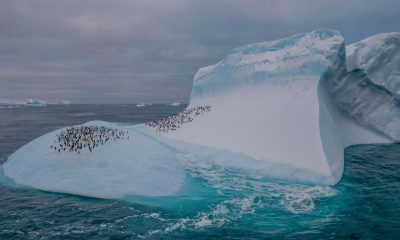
column 216, row 202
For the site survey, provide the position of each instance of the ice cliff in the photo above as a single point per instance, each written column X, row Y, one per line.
column 293, row 102
column 285, row 109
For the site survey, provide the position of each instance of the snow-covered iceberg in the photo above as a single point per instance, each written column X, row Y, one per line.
column 285, row 109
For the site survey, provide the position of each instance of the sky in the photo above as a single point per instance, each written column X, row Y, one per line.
column 131, row 51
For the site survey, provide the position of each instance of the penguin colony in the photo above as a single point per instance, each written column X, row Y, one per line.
column 174, row 122
column 76, row 139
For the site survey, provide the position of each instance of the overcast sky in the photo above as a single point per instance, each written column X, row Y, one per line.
column 127, row 51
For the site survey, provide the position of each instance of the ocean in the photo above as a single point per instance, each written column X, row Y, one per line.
column 219, row 203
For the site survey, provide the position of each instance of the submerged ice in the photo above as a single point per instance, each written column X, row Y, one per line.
column 283, row 109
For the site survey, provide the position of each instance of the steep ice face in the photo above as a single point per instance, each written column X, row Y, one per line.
column 369, row 92
column 293, row 102
column 265, row 104
column 307, row 54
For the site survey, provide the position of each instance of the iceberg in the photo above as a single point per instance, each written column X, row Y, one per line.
column 35, row 103
column 285, row 109
column 271, row 101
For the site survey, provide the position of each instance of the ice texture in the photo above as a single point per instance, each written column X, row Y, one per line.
column 275, row 62
column 370, row 91
column 285, row 109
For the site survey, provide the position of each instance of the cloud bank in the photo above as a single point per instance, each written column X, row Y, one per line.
column 124, row 51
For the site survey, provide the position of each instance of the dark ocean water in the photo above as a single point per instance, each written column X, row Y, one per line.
column 224, row 205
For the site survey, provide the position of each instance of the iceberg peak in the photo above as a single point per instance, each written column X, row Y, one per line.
column 301, row 54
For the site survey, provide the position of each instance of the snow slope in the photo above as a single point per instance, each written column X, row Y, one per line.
column 135, row 166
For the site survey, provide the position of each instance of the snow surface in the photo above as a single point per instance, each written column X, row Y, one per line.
column 307, row 54
column 147, row 164
column 135, row 166
column 285, row 109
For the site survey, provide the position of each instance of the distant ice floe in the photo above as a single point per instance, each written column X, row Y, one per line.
column 143, row 104
column 175, row 104
column 9, row 102
column 282, row 109
column 64, row 103
column 34, row 103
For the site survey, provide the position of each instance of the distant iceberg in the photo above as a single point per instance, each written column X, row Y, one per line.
column 10, row 102
column 285, row 109
column 35, row 103
column 4, row 104
column 143, row 104
column 64, row 103
column 175, row 104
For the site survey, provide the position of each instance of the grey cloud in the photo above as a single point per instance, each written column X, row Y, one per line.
column 132, row 51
